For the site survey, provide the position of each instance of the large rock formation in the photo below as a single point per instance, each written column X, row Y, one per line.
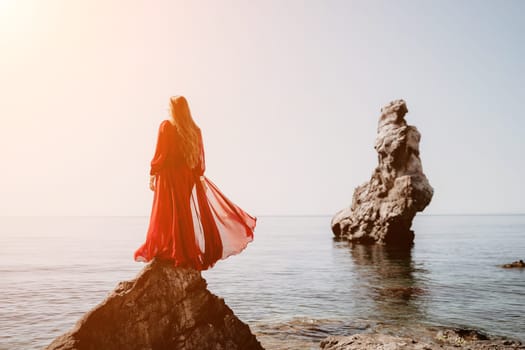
column 164, row 308
column 383, row 208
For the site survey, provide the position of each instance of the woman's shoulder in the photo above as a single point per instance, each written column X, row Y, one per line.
column 165, row 124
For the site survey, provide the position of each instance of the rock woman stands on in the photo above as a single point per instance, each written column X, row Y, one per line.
column 192, row 223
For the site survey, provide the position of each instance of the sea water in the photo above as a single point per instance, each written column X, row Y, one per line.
column 293, row 285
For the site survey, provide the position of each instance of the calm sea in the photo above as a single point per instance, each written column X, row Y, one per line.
column 294, row 284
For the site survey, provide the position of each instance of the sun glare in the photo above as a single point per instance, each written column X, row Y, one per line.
column 6, row 6
column 15, row 15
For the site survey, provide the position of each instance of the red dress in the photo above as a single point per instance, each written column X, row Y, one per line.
column 192, row 223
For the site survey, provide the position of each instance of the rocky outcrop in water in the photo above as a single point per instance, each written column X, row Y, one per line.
column 383, row 209
column 515, row 264
column 448, row 339
column 372, row 342
column 163, row 308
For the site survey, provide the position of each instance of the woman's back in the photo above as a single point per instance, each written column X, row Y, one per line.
column 170, row 150
column 192, row 223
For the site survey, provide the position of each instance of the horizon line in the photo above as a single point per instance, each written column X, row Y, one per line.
column 259, row 215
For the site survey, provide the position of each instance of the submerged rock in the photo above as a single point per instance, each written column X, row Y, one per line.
column 372, row 342
column 163, row 308
column 448, row 339
column 383, row 209
column 519, row 264
column 458, row 336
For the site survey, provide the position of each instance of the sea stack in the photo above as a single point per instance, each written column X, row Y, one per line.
column 163, row 308
column 383, row 208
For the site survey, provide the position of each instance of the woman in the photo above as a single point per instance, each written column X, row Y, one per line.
column 192, row 223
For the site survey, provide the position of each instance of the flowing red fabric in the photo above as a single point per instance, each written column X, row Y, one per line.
column 192, row 223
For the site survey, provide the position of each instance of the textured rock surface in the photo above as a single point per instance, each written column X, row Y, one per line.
column 163, row 308
column 444, row 340
column 372, row 341
column 383, row 208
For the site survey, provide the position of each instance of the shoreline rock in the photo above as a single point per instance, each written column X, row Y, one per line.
column 383, row 208
column 445, row 339
column 164, row 307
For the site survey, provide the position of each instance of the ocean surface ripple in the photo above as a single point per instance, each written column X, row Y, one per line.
column 294, row 285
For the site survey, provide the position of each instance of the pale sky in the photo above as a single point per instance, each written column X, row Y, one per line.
column 287, row 94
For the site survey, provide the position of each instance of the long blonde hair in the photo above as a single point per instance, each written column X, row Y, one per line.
column 187, row 130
